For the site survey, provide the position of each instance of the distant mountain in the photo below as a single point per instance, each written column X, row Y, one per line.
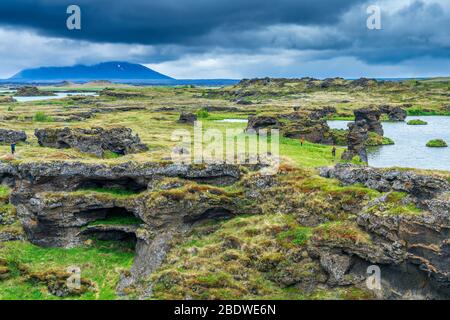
column 115, row 70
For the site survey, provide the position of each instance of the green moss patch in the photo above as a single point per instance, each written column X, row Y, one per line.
column 4, row 193
column 437, row 143
column 341, row 231
column 117, row 192
column 41, row 116
column 416, row 122
column 394, row 203
column 247, row 257
column 117, row 220
column 377, row 140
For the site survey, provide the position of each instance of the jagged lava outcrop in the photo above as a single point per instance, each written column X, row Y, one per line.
column 12, row 136
column 300, row 124
column 59, row 206
column 422, row 239
column 95, row 140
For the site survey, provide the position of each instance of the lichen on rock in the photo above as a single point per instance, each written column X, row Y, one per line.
column 96, row 141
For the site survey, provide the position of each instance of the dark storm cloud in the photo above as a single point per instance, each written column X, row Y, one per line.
column 232, row 38
column 418, row 29
column 166, row 21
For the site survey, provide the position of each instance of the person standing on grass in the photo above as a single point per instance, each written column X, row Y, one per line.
column 333, row 152
column 13, row 148
column 302, row 140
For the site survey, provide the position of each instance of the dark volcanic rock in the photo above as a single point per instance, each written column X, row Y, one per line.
column 54, row 218
column 368, row 119
column 110, row 232
column 187, row 117
column 53, row 215
column 395, row 113
column 220, row 109
column 409, row 240
column 356, row 141
column 243, row 102
column 29, row 91
column 418, row 185
column 121, row 94
column 293, row 125
column 165, row 109
column 322, row 112
column 372, row 117
column 12, row 136
column 263, row 122
column 6, row 99
column 364, row 82
column 94, row 141
column 316, row 131
column 168, row 200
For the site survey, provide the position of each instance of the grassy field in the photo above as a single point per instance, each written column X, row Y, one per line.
column 100, row 262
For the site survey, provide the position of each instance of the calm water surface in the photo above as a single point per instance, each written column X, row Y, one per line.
column 233, row 120
column 409, row 149
column 58, row 95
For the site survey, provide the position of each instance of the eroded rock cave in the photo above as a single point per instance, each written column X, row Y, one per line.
column 56, row 210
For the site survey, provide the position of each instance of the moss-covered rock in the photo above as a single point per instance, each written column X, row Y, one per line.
column 30, row 91
column 437, row 143
column 339, row 136
column 416, row 122
column 57, row 283
column 306, row 125
column 377, row 140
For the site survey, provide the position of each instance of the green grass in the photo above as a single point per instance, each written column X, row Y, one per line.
column 418, row 111
column 341, row 231
column 118, row 220
column 310, row 154
column 202, row 114
column 100, row 263
column 4, row 192
column 40, row 116
column 119, row 192
column 298, row 235
column 110, row 155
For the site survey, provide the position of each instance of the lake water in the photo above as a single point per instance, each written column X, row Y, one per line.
column 233, row 120
column 409, row 149
column 58, row 95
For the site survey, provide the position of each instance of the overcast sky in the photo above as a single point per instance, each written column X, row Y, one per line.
column 232, row 38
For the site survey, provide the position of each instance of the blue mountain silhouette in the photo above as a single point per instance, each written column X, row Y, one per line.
column 114, row 70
